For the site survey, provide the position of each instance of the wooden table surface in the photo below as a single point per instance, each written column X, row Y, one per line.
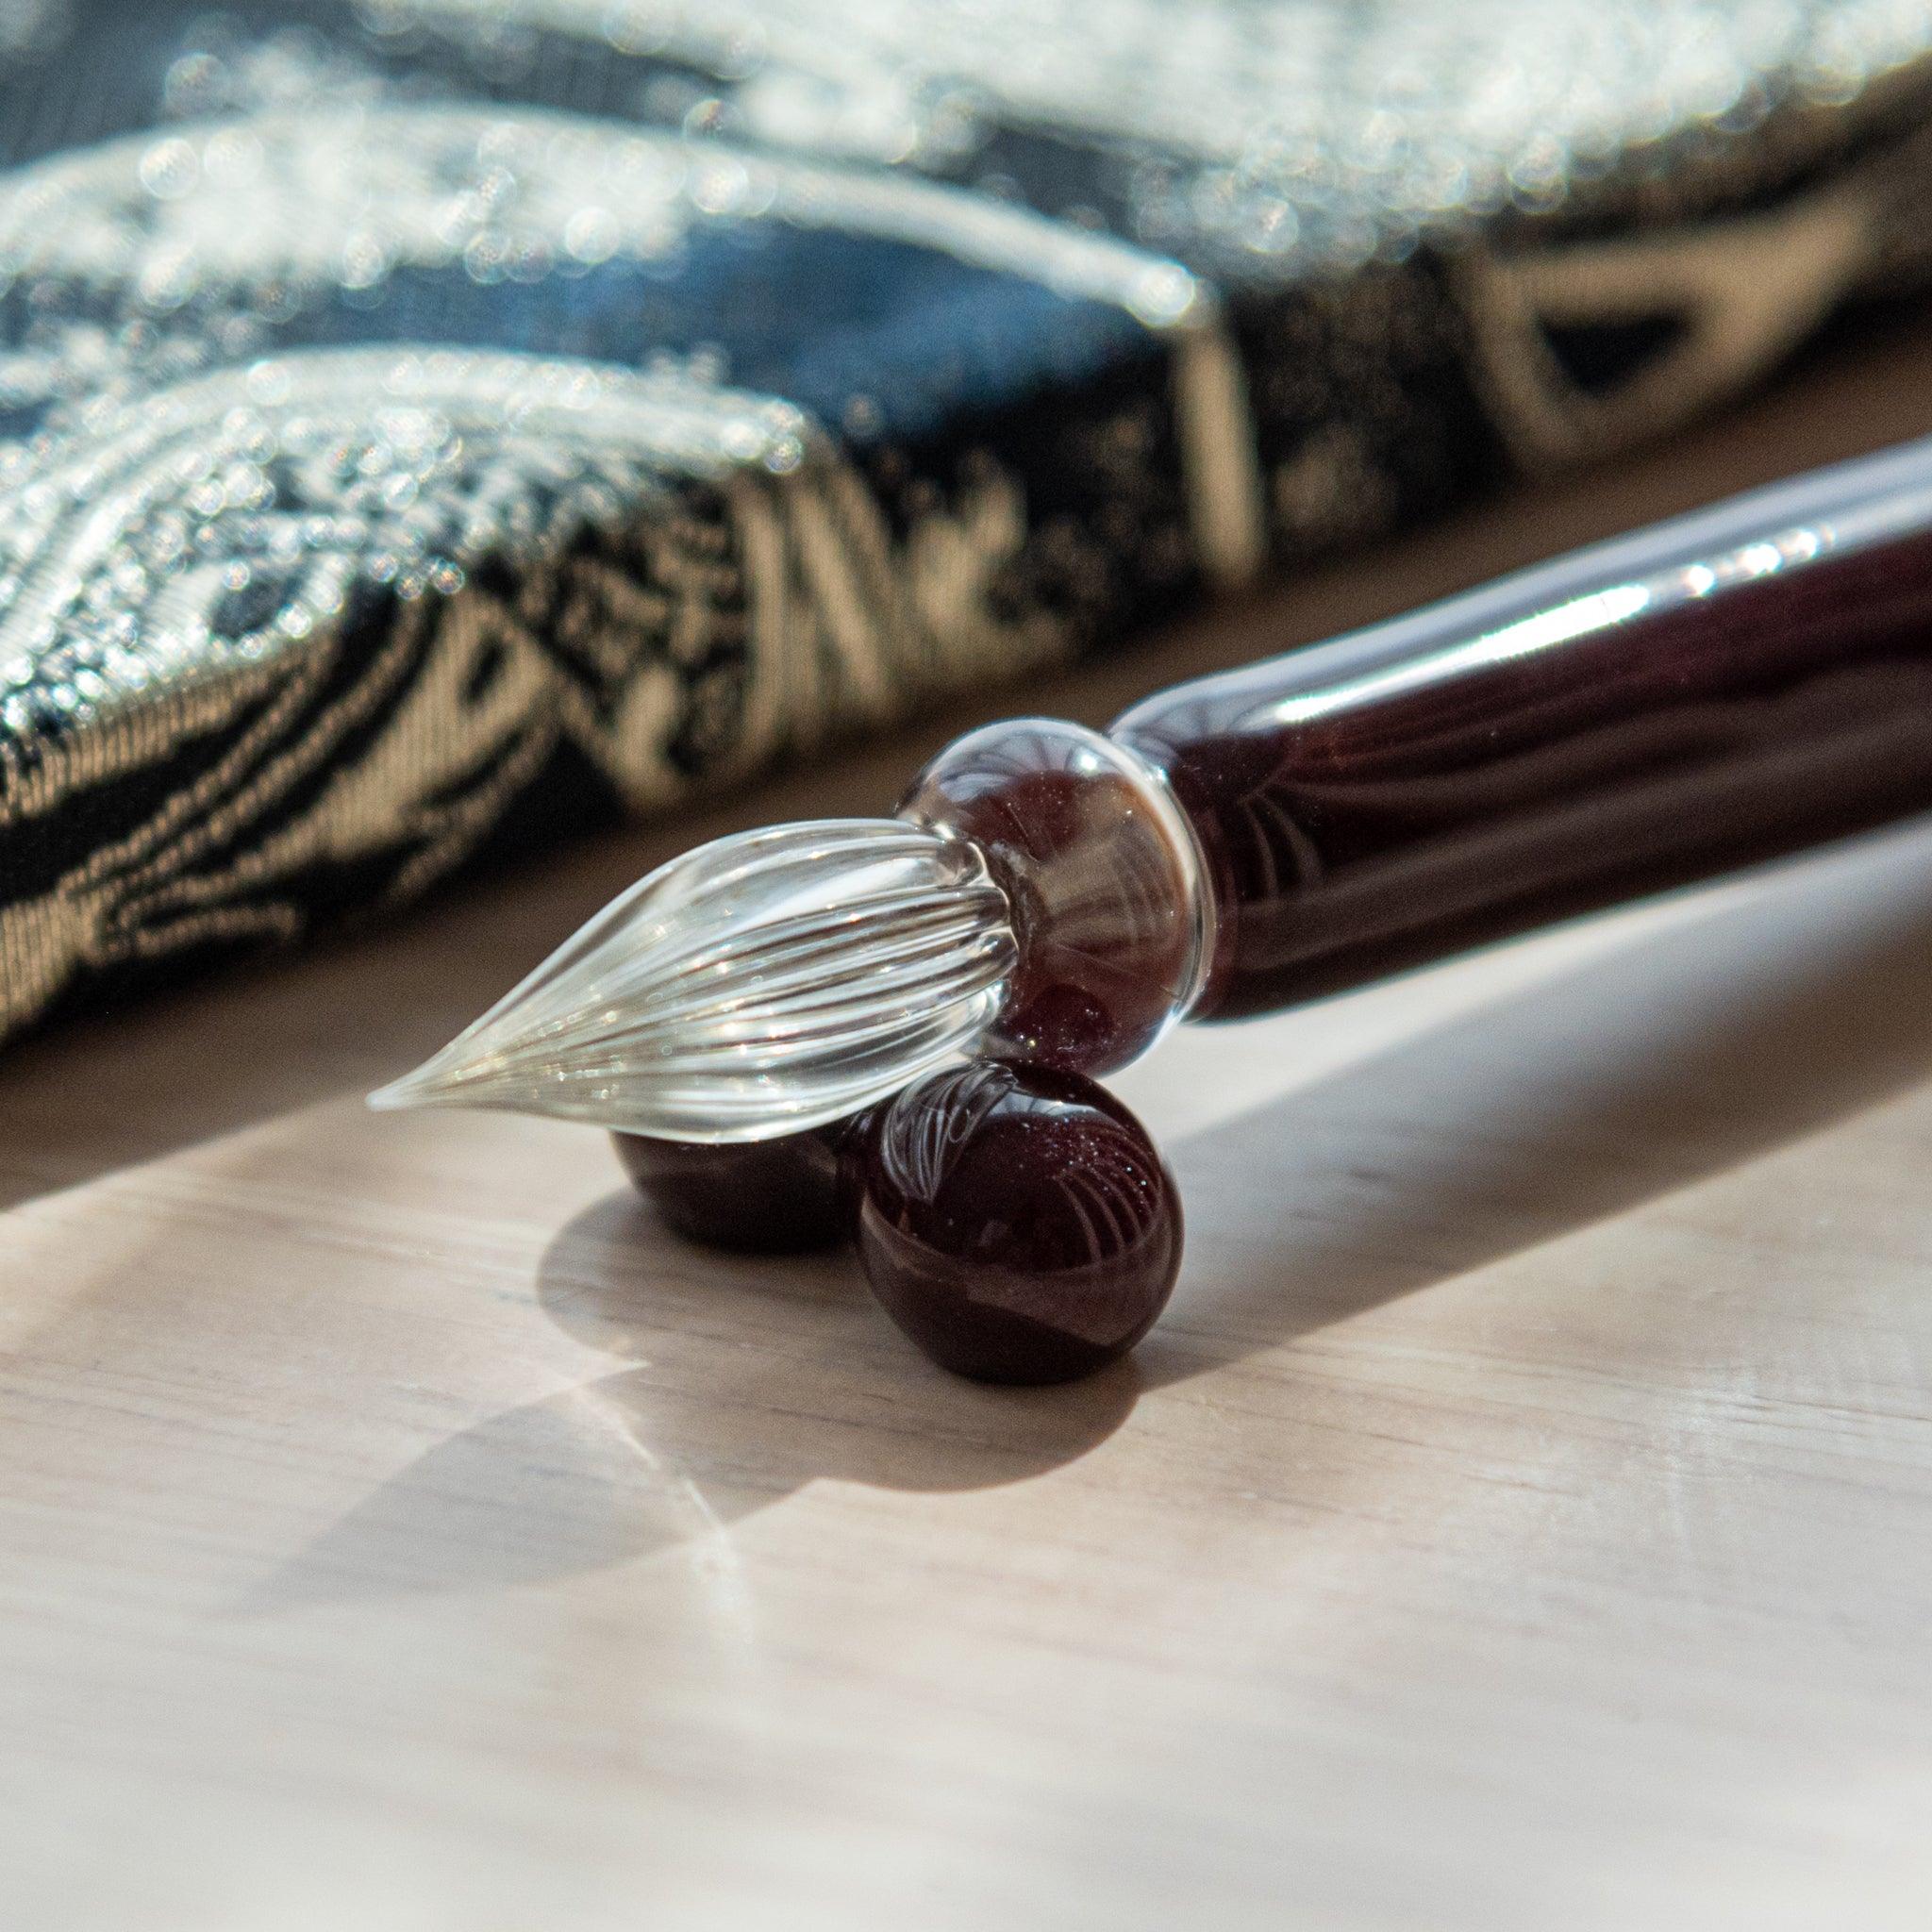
column 1521, row 1520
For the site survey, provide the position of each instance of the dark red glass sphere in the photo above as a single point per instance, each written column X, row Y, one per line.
column 1016, row 1222
column 760, row 1197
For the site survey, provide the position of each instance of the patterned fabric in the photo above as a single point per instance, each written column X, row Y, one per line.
column 429, row 425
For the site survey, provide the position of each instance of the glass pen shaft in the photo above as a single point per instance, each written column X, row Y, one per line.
column 1713, row 690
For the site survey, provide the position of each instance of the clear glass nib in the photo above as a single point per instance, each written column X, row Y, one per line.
column 761, row 985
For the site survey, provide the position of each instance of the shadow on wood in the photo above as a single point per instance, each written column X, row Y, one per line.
column 789, row 1374
column 1671, row 1060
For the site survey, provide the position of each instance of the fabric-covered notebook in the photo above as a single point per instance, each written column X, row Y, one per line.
column 430, row 424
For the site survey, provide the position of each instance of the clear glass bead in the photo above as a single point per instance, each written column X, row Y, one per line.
column 1111, row 904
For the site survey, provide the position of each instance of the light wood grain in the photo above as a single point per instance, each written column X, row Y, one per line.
column 1523, row 1520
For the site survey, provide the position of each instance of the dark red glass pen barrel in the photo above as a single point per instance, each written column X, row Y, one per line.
column 1712, row 692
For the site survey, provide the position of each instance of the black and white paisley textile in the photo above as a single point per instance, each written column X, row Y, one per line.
column 426, row 424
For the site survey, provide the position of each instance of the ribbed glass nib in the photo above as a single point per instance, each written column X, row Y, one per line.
column 761, row 985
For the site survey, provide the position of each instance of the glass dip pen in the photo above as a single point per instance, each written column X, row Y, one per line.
column 1716, row 689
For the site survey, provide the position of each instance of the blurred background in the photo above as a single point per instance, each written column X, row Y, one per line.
column 434, row 428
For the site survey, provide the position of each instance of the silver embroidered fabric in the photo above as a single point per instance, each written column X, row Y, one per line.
column 431, row 424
